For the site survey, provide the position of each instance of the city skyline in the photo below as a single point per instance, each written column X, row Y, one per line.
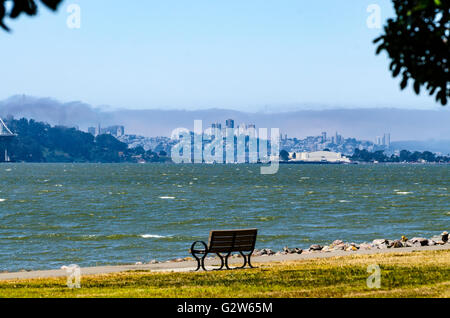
column 365, row 124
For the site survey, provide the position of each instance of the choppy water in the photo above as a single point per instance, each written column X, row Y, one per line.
column 58, row 214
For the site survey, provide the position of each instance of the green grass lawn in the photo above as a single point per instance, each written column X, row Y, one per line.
column 417, row 274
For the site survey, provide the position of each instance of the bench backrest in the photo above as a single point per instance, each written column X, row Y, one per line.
column 232, row 240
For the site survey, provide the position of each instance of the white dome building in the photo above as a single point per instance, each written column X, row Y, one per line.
column 319, row 156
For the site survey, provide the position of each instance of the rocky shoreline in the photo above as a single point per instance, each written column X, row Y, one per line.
column 335, row 246
column 339, row 245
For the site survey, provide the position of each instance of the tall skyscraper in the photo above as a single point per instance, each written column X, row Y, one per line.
column 338, row 139
column 230, row 123
column 387, row 140
column 241, row 129
column 324, row 137
column 378, row 141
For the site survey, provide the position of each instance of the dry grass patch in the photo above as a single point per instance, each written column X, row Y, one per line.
column 417, row 274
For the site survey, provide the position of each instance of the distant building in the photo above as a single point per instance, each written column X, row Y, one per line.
column 324, row 137
column 230, row 123
column 378, row 141
column 387, row 140
column 116, row 131
column 242, row 129
column 319, row 156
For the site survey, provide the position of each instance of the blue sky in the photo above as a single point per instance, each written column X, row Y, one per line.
column 240, row 54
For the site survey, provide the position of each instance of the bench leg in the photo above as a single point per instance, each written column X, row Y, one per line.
column 250, row 264
column 226, row 260
column 247, row 259
column 223, row 261
column 200, row 262
column 203, row 262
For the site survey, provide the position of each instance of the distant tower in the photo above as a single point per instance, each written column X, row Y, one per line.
column 378, row 141
column 242, row 129
column 387, row 140
column 338, row 139
column 230, row 123
column 5, row 138
column 324, row 137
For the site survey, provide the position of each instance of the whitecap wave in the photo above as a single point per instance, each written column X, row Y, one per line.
column 2, row 200
column 403, row 192
column 167, row 198
column 152, row 236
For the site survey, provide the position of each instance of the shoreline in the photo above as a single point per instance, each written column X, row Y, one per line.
column 212, row 262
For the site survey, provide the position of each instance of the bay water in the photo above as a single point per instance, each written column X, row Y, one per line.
column 96, row 214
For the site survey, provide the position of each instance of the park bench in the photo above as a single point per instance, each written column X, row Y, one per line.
column 223, row 243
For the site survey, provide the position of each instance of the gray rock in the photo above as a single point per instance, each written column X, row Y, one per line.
column 397, row 244
column 267, row 251
column 315, row 247
column 379, row 242
column 298, row 250
column 409, row 243
column 256, row 252
column 270, row 252
column 339, row 247
column 444, row 236
column 431, row 243
column 337, row 242
column 423, row 241
column 437, row 239
column 288, row 250
column 154, row 261
column 365, row 246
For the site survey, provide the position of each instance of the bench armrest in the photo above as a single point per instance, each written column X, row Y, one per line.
column 193, row 250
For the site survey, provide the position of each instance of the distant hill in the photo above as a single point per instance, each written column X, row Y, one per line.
column 41, row 142
column 366, row 124
column 439, row 146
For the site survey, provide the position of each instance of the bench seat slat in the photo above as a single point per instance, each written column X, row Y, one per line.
column 231, row 245
column 228, row 250
column 230, row 240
